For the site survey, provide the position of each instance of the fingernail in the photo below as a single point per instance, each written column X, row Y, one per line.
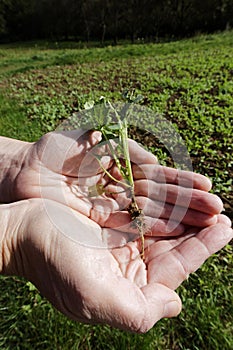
column 172, row 309
column 96, row 137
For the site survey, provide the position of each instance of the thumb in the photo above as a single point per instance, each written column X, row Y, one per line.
column 94, row 137
column 139, row 312
column 162, row 301
column 77, row 144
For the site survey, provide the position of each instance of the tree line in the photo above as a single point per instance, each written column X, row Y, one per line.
column 111, row 19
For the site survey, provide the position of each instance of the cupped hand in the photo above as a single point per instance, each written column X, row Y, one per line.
column 94, row 284
column 63, row 167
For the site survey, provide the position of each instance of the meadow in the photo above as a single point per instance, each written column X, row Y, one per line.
column 190, row 83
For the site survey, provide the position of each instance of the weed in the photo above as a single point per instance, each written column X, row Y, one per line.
column 115, row 128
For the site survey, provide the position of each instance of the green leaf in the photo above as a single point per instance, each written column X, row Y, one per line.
column 89, row 104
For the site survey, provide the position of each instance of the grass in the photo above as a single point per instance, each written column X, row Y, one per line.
column 190, row 83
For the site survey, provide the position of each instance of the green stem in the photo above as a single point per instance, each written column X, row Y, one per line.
column 126, row 171
column 124, row 137
column 110, row 176
column 112, row 150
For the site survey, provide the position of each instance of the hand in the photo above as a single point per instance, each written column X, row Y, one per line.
column 94, row 285
column 61, row 167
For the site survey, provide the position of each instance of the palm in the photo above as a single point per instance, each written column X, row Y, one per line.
column 61, row 167
column 169, row 261
column 85, row 256
column 113, row 286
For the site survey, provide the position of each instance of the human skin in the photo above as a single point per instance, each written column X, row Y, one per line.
column 61, row 167
column 94, row 285
column 97, row 281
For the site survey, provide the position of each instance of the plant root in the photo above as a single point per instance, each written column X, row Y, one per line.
column 138, row 222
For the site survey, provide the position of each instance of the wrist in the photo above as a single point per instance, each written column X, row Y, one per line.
column 12, row 155
column 4, row 238
column 14, row 223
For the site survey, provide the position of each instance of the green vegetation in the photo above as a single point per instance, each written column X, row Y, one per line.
column 191, row 83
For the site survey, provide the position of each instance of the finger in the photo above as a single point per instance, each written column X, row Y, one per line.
column 166, row 245
column 168, row 175
column 122, row 222
column 223, row 219
column 71, row 147
column 163, row 210
column 81, row 151
column 173, row 267
column 177, row 213
column 162, row 301
column 96, row 158
column 87, row 201
column 137, row 309
column 181, row 196
column 139, row 155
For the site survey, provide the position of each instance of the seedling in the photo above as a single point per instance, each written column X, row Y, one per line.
column 115, row 134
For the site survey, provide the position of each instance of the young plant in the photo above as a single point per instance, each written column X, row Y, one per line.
column 115, row 127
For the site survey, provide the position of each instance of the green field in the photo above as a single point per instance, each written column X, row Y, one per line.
column 189, row 82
